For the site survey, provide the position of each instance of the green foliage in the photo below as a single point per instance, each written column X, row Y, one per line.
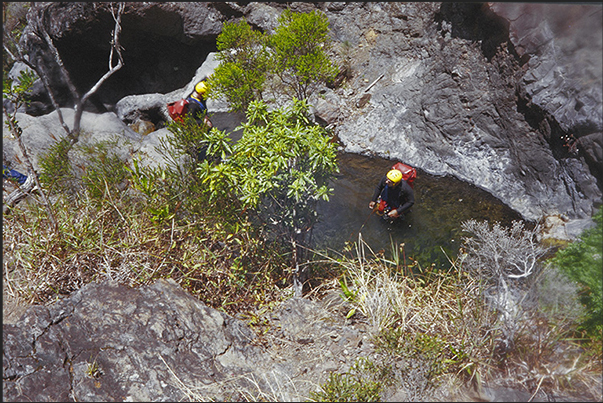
column 104, row 173
column 56, row 172
column 581, row 262
column 244, row 62
column 299, row 48
column 16, row 94
column 363, row 383
column 436, row 355
column 294, row 59
column 94, row 168
column 281, row 167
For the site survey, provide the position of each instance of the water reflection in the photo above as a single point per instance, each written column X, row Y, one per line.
column 441, row 204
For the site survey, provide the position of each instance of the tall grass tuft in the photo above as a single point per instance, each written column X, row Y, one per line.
column 445, row 329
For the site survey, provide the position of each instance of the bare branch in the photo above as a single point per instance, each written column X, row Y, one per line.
column 15, row 197
column 115, row 48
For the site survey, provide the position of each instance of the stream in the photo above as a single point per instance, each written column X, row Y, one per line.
column 442, row 203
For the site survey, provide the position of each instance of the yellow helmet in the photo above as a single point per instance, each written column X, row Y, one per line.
column 201, row 88
column 394, row 175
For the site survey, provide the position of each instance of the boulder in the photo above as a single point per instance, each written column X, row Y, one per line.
column 108, row 342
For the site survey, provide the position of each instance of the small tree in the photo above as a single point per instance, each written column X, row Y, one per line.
column 507, row 260
column 279, row 169
column 243, row 65
column 299, row 51
column 293, row 59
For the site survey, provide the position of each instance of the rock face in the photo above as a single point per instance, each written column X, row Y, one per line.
column 119, row 343
column 108, row 342
column 486, row 92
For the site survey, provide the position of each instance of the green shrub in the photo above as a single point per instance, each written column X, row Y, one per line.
column 581, row 262
column 244, row 59
column 105, row 173
column 291, row 61
column 277, row 171
column 363, row 383
column 56, row 171
column 299, row 48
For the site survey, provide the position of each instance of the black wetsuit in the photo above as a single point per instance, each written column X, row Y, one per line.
column 400, row 197
column 197, row 109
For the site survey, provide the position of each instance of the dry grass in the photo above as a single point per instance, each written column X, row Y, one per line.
column 119, row 241
column 446, row 315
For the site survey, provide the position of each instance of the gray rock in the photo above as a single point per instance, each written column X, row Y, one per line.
column 40, row 133
column 108, row 342
column 483, row 92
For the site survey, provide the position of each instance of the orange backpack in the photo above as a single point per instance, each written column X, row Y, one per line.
column 409, row 174
column 178, row 109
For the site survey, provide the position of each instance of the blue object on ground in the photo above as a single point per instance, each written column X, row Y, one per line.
column 8, row 173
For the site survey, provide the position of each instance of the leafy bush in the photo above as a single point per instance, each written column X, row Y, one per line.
column 56, row 172
column 293, row 60
column 299, row 48
column 581, row 262
column 244, row 62
column 277, row 171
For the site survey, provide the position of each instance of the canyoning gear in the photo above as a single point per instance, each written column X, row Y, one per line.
column 201, row 88
column 193, row 106
column 394, row 175
column 177, row 110
column 399, row 196
column 409, row 174
column 383, row 209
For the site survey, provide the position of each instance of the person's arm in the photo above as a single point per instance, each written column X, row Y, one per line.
column 377, row 192
column 378, row 189
column 409, row 195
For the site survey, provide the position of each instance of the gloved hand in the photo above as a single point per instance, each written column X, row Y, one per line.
column 393, row 214
column 372, row 205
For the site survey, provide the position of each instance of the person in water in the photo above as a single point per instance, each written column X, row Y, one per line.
column 394, row 195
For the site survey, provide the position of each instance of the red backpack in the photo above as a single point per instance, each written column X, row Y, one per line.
column 178, row 109
column 409, row 174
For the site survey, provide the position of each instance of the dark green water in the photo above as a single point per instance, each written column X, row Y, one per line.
column 441, row 204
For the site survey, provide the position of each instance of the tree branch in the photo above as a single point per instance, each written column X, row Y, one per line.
column 115, row 48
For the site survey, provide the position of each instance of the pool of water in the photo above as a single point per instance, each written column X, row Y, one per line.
column 442, row 203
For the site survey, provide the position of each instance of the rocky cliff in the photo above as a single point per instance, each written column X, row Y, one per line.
column 486, row 92
column 108, row 342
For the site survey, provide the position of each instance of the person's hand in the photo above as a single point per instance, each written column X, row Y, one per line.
column 372, row 205
column 393, row 213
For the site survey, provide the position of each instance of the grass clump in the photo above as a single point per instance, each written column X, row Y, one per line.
column 448, row 327
column 111, row 226
column 364, row 382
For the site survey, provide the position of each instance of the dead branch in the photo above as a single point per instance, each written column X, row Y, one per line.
column 115, row 48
